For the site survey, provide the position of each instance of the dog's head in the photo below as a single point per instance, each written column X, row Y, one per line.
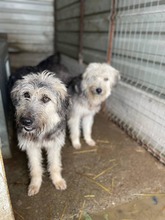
column 40, row 102
column 98, row 81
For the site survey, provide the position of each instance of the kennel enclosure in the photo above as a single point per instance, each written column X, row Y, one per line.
column 84, row 31
column 81, row 32
column 137, row 104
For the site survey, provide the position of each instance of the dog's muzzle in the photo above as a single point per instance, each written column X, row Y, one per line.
column 27, row 123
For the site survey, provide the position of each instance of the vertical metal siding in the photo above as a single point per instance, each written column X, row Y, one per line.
column 67, row 27
column 95, row 34
column 29, row 25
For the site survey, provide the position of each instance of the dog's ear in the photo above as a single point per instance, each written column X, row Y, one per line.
column 60, row 91
column 116, row 77
column 15, row 93
column 63, row 105
column 90, row 68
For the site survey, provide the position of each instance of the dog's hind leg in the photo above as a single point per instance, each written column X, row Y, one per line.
column 35, row 166
column 55, row 166
column 87, row 123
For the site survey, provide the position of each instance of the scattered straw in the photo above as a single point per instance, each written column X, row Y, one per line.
column 104, row 171
column 113, row 182
column 127, row 219
column 112, row 160
column 90, row 174
column 63, row 212
column 103, row 141
column 81, row 210
column 100, row 185
column 18, row 214
column 89, row 196
column 150, row 194
column 85, row 151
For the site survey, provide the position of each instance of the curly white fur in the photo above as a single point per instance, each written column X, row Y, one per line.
column 96, row 86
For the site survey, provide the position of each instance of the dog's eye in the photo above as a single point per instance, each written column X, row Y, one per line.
column 105, row 79
column 45, row 99
column 26, row 95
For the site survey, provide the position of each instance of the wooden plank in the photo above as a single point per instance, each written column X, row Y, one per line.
column 64, row 3
column 69, row 12
column 69, row 38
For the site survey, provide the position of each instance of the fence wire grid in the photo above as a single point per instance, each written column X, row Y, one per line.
column 138, row 103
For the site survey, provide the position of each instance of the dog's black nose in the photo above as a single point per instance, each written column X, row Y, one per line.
column 26, row 121
column 99, row 90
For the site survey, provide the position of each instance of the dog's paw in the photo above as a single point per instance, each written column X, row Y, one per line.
column 91, row 142
column 61, row 184
column 33, row 190
column 76, row 145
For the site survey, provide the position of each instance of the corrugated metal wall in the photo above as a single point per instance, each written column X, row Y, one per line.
column 96, row 27
column 29, row 25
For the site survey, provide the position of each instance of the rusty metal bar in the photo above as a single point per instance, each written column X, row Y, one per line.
column 111, row 32
column 82, row 9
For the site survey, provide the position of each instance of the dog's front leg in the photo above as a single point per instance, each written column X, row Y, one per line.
column 74, row 129
column 55, row 166
column 87, row 123
column 35, row 166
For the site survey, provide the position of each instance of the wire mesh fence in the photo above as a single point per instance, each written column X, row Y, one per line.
column 138, row 103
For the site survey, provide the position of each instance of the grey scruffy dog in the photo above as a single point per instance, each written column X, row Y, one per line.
column 40, row 100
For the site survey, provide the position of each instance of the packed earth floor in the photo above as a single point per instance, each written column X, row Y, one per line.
column 115, row 180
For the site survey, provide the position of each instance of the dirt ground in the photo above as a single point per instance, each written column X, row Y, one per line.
column 116, row 180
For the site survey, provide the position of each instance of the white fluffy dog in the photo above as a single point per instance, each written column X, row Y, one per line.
column 88, row 91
